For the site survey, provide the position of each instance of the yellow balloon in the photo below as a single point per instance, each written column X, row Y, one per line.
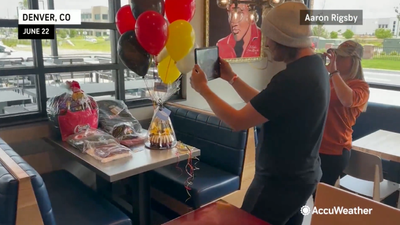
column 167, row 71
column 181, row 39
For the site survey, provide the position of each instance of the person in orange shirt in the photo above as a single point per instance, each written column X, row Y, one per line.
column 349, row 98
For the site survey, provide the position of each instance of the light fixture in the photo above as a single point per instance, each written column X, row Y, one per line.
column 252, row 4
column 254, row 16
column 223, row 4
column 255, row 3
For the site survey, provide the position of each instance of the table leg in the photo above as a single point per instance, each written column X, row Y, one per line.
column 142, row 198
column 103, row 187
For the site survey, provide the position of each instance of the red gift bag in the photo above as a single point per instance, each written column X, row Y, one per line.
column 74, row 111
column 77, row 122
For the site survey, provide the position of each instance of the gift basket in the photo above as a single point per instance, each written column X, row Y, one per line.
column 161, row 134
column 99, row 145
column 73, row 111
column 115, row 119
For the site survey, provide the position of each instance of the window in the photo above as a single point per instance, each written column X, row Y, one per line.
column 78, row 47
column 15, row 94
column 383, row 96
column 99, row 84
column 98, row 8
column 86, row 16
column 125, row 2
column 14, row 52
column 381, row 61
column 87, row 54
column 135, row 86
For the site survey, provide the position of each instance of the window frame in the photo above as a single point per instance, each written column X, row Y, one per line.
column 116, row 66
column 371, row 84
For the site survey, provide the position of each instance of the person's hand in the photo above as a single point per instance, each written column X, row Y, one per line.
column 331, row 67
column 198, row 80
column 226, row 70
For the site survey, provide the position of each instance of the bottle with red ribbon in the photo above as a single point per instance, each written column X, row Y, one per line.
column 73, row 111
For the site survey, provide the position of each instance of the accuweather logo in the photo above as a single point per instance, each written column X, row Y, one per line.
column 336, row 210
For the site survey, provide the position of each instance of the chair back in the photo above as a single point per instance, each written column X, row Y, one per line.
column 329, row 197
column 377, row 117
column 220, row 146
column 363, row 166
column 24, row 199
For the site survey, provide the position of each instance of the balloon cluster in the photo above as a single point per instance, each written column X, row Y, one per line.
column 146, row 36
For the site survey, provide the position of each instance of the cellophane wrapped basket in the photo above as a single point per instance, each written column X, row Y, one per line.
column 72, row 112
column 98, row 144
column 161, row 134
column 115, row 119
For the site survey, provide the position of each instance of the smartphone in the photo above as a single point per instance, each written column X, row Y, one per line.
column 323, row 57
column 208, row 60
column 331, row 50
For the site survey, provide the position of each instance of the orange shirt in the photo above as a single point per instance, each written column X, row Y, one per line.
column 340, row 120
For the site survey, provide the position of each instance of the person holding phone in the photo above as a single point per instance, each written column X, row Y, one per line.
column 349, row 98
column 292, row 110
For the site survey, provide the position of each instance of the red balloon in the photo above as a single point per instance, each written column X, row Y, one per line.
column 124, row 19
column 152, row 31
column 180, row 10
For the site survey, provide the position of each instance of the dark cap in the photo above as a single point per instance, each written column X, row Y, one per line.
column 350, row 48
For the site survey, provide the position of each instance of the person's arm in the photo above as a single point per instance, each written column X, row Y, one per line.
column 278, row 99
column 237, row 119
column 350, row 96
column 245, row 91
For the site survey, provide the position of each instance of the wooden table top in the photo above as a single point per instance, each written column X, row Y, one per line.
column 382, row 143
column 217, row 213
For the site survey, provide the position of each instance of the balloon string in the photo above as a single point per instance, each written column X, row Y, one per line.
column 148, row 86
column 155, row 67
column 166, row 75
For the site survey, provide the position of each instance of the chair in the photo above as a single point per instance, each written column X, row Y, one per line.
column 221, row 163
column 329, row 197
column 365, row 177
column 54, row 198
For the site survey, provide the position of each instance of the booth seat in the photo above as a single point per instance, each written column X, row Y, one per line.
column 380, row 117
column 61, row 198
column 221, row 162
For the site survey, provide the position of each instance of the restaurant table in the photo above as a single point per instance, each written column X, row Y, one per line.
column 382, row 143
column 135, row 168
column 15, row 109
column 10, row 98
column 217, row 213
column 31, row 63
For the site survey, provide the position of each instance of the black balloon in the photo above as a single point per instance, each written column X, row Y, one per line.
column 132, row 54
column 140, row 6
